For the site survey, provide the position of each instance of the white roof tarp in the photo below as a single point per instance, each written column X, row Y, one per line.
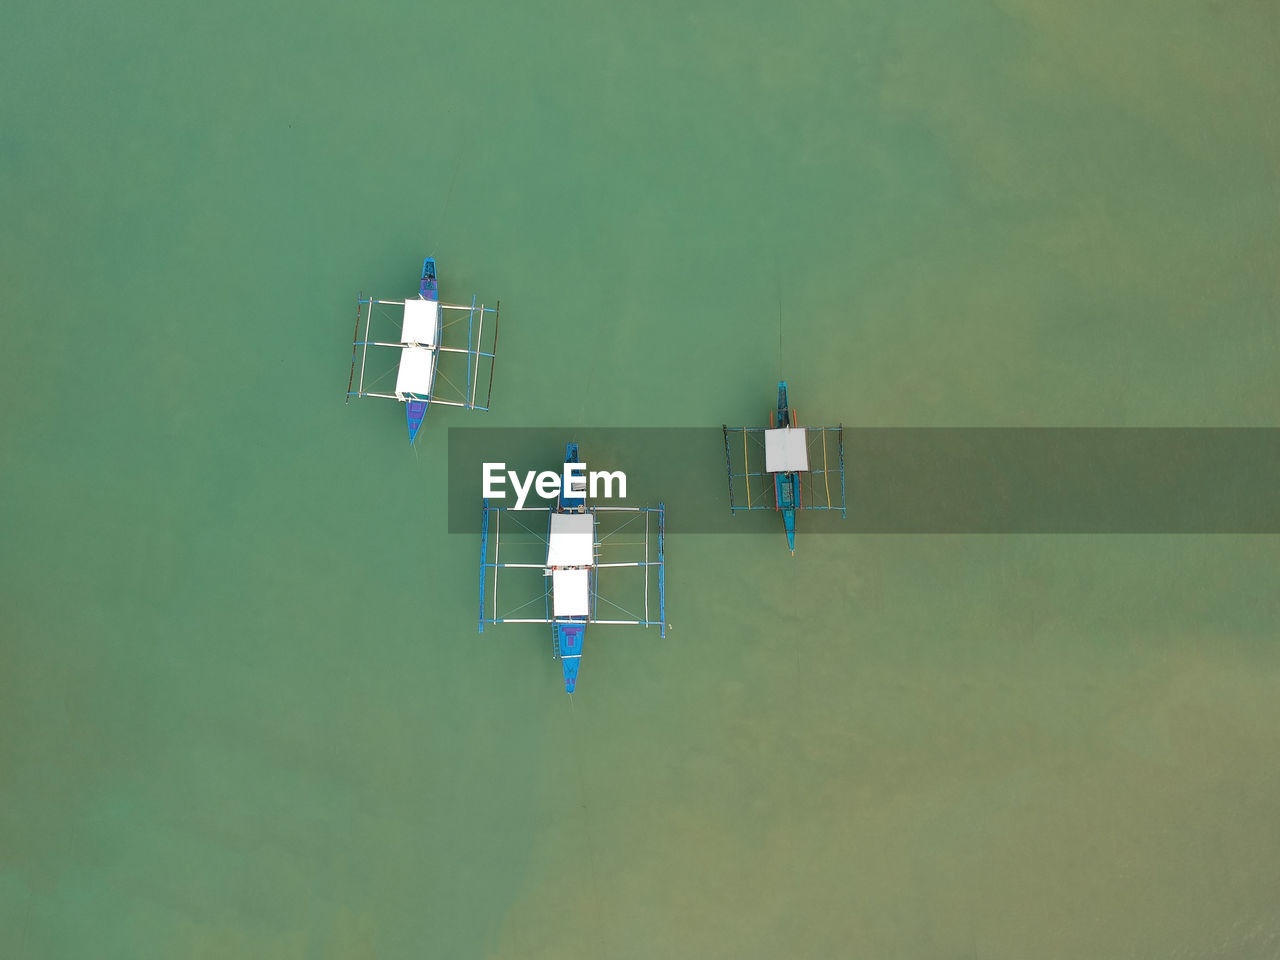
column 416, row 367
column 421, row 322
column 572, row 540
column 570, row 593
column 785, row 449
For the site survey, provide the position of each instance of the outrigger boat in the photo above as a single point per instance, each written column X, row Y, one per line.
column 421, row 348
column 786, row 447
column 576, row 556
column 570, row 558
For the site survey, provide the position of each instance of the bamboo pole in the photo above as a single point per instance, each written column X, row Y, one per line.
column 662, row 581
column 355, row 335
column 484, row 546
column 471, row 316
column 365, row 355
column 728, row 463
column 840, row 444
column 826, row 483
column 479, row 340
column 497, row 315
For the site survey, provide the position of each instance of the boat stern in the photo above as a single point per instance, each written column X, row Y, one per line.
column 786, row 492
column 415, row 412
column 570, row 637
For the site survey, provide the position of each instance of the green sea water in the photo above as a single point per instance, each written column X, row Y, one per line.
column 244, row 711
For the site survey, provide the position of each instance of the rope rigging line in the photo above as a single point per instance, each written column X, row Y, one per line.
column 542, row 537
column 440, row 373
column 507, row 614
column 617, row 606
column 379, row 378
column 619, row 529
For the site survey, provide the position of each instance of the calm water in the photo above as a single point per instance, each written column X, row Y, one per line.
column 243, row 708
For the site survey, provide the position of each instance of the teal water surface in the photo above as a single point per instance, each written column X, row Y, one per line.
column 244, row 711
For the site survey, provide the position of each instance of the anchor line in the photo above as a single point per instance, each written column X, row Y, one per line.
column 777, row 279
column 586, row 831
column 453, row 178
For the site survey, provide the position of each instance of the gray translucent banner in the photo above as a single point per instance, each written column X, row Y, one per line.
column 915, row 480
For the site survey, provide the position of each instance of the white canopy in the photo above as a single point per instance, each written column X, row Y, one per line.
column 785, row 449
column 572, row 540
column 417, row 364
column 570, row 593
column 421, row 322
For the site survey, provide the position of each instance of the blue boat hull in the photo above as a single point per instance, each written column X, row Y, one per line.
column 570, row 634
column 416, row 410
column 569, row 637
column 786, row 486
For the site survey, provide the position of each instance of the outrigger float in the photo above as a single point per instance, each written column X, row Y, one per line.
column 421, row 348
column 788, row 451
column 580, row 550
